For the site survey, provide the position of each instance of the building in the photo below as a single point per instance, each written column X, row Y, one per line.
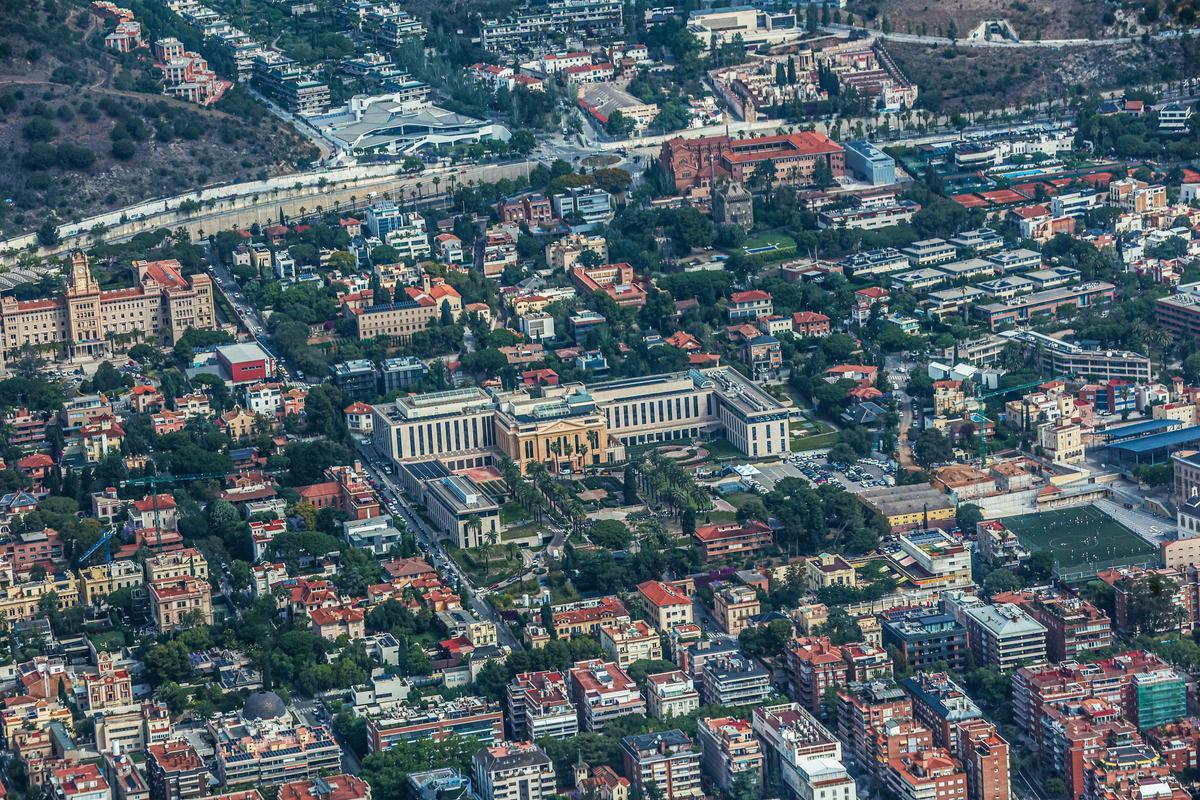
column 733, row 205
column 940, row 705
column 671, row 694
column 532, row 23
column 932, row 558
column 823, row 779
column 160, row 307
column 983, row 753
column 514, row 771
column 729, row 752
column 584, row 205
column 911, row 507
column 603, row 692
column 731, row 539
column 630, row 642
column 792, row 738
column 177, row 602
column 704, row 161
column 925, row 638
column 927, row 775
column 733, row 607
column 465, row 716
column 666, row 604
column 175, row 771
column 1049, row 303
column 568, row 251
column 603, row 417
column 734, row 680
column 289, row 84
column 462, row 510
column 1056, row 357
column 810, row 323
column 79, row 782
column 868, row 163
column 863, row 710
column 327, row 787
column 668, row 760
column 539, row 704
column 586, row 617
column 1001, row 635
column 357, row 380
column 827, row 570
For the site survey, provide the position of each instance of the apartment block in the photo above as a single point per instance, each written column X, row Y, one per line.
column 514, row 771
column 666, row 604
column 465, row 716
column 539, row 704
column 668, row 760
column 603, row 692
column 728, row 751
column 671, row 694
column 791, row 737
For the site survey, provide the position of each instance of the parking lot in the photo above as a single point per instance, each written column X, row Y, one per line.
column 868, row 473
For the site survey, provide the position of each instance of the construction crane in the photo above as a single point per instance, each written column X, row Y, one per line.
column 980, row 417
column 104, row 541
column 154, row 481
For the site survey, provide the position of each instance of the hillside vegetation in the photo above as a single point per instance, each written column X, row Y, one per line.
column 84, row 129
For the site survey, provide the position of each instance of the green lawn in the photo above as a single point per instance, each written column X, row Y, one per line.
column 817, row 442
column 512, row 512
column 521, row 532
column 714, row 517
column 781, row 241
column 721, row 448
column 501, row 565
column 739, row 499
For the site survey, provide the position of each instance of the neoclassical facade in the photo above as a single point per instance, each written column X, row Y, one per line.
column 86, row 320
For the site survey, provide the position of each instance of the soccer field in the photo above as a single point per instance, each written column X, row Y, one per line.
column 1083, row 537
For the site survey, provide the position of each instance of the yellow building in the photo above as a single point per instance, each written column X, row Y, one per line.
column 567, row 251
column 188, row 562
column 908, row 507
column 20, row 601
column 97, row 582
column 733, row 606
column 239, row 423
column 32, row 714
column 88, row 321
column 563, row 429
column 828, row 570
column 1062, row 444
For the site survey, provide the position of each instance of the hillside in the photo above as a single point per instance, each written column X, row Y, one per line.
column 84, row 129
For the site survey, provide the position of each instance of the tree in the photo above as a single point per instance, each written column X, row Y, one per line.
column 47, row 234
column 932, row 447
column 822, row 174
column 629, row 486
column 1039, row 567
column 968, row 516
column 618, row 125
column 1000, row 580
column 1150, row 603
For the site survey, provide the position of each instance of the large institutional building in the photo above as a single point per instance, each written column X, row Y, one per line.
column 705, row 161
column 84, row 321
column 577, row 425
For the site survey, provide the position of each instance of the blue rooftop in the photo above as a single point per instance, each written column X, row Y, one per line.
column 1158, row 441
column 1140, row 428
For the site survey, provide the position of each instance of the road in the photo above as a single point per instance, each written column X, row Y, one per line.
column 1160, row 36
column 373, row 463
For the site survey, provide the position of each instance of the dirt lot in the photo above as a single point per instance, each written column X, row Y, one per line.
column 1051, row 18
column 65, row 102
column 957, row 79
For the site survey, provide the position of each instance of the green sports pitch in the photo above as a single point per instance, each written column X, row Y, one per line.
column 1083, row 539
